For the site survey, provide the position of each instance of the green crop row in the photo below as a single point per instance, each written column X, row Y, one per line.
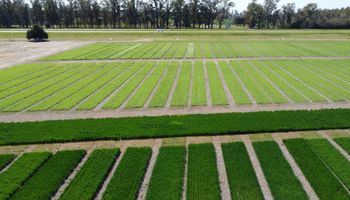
column 46, row 181
column 240, row 173
column 320, row 177
column 344, row 143
column 172, row 126
column 278, row 173
column 128, row 177
column 167, row 176
column 217, row 92
column 181, row 93
column 199, row 94
column 5, row 159
column 202, row 177
column 90, row 178
column 161, row 95
column 19, row 172
column 333, row 158
column 125, row 91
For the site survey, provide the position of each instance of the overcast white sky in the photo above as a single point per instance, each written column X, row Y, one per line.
column 242, row 4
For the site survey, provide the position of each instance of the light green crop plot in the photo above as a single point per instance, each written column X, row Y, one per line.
column 107, row 85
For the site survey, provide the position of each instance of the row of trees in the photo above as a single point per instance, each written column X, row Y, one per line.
column 115, row 13
column 165, row 14
column 268, row 15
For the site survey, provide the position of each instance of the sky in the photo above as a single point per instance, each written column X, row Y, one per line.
column 241, row 5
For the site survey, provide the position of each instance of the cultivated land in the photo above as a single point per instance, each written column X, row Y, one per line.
column 153, row 137
column 252, row 165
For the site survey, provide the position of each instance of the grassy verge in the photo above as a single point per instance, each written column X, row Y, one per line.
column 19, row 172
column 128, row 177
column 321, row 179
column 167, row 176
column 46, row 181
column 172, row 126
column 91, row 176
column 202, row 180
column 279, row 175
column 240, row 173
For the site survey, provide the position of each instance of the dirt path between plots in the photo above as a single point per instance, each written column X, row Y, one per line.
column 199, row 59
column 60, row 115
column 12, row 53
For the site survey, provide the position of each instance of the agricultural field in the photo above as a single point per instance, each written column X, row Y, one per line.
column 238, row 49
column 151, row 84
column 255, row 167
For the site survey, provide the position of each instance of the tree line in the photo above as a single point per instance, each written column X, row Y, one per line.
column 165, row 14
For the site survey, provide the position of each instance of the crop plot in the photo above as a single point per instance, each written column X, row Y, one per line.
column 5, row 159
column 125, row 85
column 209, row 50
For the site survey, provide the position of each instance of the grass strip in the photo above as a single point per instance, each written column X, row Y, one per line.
column 333, row 158
column 279, row 175
column 172, row 126
column 90, row 178
column 240, row 173
column 167, row 175
column 128, row 177
column 202, row 178
column 321, row 179
column 5, row 159
column 46, row 181
column 19, row 172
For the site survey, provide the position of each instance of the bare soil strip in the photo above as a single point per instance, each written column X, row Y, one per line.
column 337, row 146
column 251, row 98
column 111, row 173
column 102, row 103
column 224, row 185
column 61, row 115
column 156, row 87
column 172, row 90
column 231, row 100
column 296, row 170
column 207, row 87
column 152, row 162
column 305, row 84
column 272, row 83
column 290, row 85
column 71, row 177
column 257, row 168
column 198, row 59
column 184, row 185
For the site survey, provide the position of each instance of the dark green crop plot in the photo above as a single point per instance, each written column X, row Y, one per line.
column 128, row 177
column 46, row 181
column 167, row 175
column 5, row 160
column 333, row 158
column 240, row 173
column 19, row 172
column 280, row 177
column 171, row 126
column 344, row 143
column 91, row 176
column 321, row 179
column 202, row 178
